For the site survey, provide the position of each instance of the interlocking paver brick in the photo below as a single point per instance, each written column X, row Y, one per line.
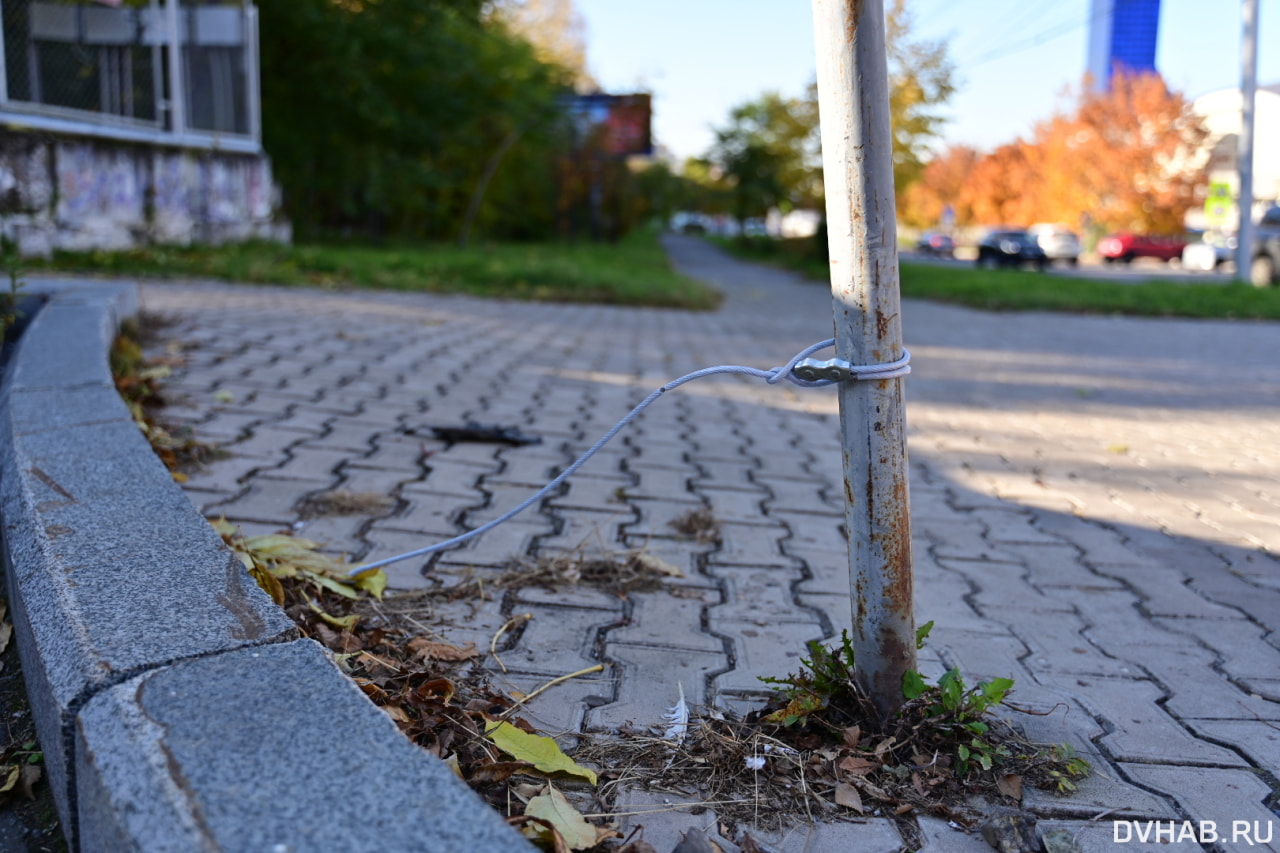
column 751, row 545
column 662, row 621
column 427, row 513
column 1143, row 731
column 309, row 462
column 557, row 640
column 771, row 650
column 761, row 596
column 269, row 500
column 644, row 703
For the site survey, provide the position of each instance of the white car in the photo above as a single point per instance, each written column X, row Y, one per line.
column 1212, row 252
column 1059, row 242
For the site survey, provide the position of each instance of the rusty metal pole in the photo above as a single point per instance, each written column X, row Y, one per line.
column 853, row 100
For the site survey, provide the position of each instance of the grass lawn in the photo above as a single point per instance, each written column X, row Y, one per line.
column 1019, row 290
column 634, row 271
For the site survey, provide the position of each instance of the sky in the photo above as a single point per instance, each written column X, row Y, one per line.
column 1015, row 59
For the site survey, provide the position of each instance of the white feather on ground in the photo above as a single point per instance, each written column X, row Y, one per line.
column 678, row 717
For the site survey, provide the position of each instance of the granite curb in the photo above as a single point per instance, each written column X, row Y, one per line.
column 176, row 705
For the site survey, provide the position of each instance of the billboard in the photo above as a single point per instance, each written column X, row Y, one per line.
column 620, row 123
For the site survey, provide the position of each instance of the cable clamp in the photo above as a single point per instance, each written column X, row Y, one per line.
column 839, row 370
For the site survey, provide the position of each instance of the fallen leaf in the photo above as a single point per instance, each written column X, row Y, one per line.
column 396, row 713
column 657, row 565
column 499, row 771
column 224, row 396
column 431, row 650
column 852, row 735
column 542, row 752
column 30, row 775
column 540, row 830
column 6, row 633
column 556, row 810
column 858, row 765
column 452, row 763
column 1010, row 785
column 848, row 796
column 12, row 772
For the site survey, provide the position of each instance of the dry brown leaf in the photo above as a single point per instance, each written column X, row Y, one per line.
column 396, row 713
column 500, row 771
column 660, row 566
column 852, row 735
column 848, row 796
column 431, row 650
column 30, row 775
column 1011, row 786
column 858, row 766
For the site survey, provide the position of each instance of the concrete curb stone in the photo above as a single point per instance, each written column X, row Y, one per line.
column 116, row 582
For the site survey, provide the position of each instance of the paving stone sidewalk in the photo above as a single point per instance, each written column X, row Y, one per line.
column 1096, row 510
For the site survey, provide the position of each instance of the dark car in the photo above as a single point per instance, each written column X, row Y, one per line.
column 1010, row 248
column 932, row 243
column 1125, row 247
column 1264, row 267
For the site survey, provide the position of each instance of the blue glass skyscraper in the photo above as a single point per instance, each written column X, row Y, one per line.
column 1123, row 33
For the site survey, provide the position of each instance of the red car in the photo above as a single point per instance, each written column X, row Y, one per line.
column 1126, row 247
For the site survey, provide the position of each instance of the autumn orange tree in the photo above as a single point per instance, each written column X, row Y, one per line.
column 1129, row 158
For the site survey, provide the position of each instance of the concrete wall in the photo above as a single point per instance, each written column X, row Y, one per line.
column 64, row 192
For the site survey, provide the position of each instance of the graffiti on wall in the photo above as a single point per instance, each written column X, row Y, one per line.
column 96, row 194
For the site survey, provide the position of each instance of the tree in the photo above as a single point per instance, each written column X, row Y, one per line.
column 921, row 78
column 766, row 155
column 923, row 202
column 1125, row 159
column 383, row 116
column 555, row 29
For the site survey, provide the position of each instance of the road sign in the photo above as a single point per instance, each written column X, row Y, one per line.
column 1218, row 205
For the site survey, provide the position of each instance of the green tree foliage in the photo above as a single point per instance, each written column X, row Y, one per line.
column 768, row 154
column 765, row 155
column 921, row 78
column 382, row 116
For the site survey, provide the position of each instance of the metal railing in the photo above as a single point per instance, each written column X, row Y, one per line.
column 112, row 69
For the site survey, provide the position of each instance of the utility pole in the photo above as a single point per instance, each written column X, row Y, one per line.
column 1244, row 150
column 857, row 158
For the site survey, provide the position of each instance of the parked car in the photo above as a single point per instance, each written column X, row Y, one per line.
column 1126, row 247
column 1059, row 242
column 1264, row 269
column 1010, row 248
column 933, row 243
column 1213, row 250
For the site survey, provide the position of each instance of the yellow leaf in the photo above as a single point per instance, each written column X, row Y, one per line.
column 333, row 585
column 12, row 773
column 372, row 581
column 179, row 477
column 224, row 527
column 542, row 752
column 275, row 544
column 555, row 810
column 269, row 584
column 346, row 623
